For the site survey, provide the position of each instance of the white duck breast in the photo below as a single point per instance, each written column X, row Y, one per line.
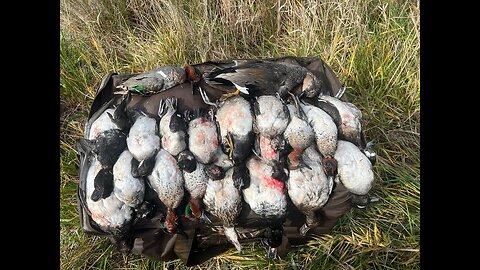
column 349, row 117
column 167, row 179
column 271, row 116
column 196, row 181
column 324, row 129
column 235, row 116
column 298, row 133
column 142, row 140
column 265, row 195
column 109, row 213
column 354, row 169
column 103, row 123
column 309, row 189
column 128, row 189
column 173, row 142
column 224, row 201
column 203, row 139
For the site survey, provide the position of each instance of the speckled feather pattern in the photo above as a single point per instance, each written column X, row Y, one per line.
column 203, row 139
column 324, row 129
column 128, row 189
column 308, row 189
column 101, row 124
column 265, row 198
column 167, row 179
column 235, row 116
column 173, row 142
column 172, row 76
column 196, row 181
column 109, row 213
column 298, row 133
column 351, row 118
column 354, row 169
column 142, row 140
column 158, row 79
column 223, row 200
column 272, row 119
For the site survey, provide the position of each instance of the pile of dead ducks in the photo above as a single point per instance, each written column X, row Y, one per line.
column 259, row 144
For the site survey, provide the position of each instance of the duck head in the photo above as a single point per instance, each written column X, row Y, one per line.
column 186, row 161
column 241, row 176
column 330, row 165
column 311, row 85
column 120, row 117
column 193, row 74
column 238, row 147
column 171, row 221
column 214, row 172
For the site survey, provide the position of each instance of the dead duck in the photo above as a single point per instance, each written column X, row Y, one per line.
column 112, row 118
column 261, row 77
column 204, row 142
column 271, row 120
column 110, row 214
column 348, row 119
column 346, row 116
column 298, row 134
column 309, row 188
column 266, row 196
column 167, row 181
column 128, row 189
column 355, row 172
column 106, row 148
column 153, row 81
column 223, row 200
column 102, row 123
column 324, row 129
column 172, row 126
column 196, row 185
column 325, row 132
column 143, row 142
column 235, row 120
column 203, row 139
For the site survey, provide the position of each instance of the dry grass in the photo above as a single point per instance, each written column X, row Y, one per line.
column 373, row 46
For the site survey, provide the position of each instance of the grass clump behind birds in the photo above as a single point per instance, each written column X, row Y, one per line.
column 373, row 47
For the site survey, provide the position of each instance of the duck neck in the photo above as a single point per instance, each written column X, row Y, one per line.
column 170, row 221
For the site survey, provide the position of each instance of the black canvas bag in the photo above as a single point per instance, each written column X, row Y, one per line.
column 201, row 242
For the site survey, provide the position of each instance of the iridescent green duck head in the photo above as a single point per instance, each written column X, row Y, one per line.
column 193, row 73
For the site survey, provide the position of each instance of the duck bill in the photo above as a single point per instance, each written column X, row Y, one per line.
column 272, row 253
column 232, row 237
column 331, row 178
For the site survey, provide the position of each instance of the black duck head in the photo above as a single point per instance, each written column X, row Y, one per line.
column 186, row 161
column 214, row 172
column 120, row 117
column 330, row 165
column 312, row 86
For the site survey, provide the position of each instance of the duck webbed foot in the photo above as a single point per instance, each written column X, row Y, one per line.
column 231, row 94
column 205, row 98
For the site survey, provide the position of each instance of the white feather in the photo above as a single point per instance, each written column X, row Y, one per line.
column 241, row 88
column 354, row 168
